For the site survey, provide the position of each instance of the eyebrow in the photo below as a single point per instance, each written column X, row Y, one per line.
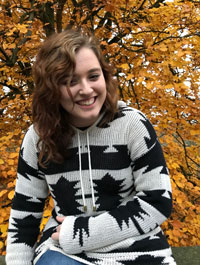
column 94, row 70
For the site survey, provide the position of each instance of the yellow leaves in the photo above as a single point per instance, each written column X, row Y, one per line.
column 11, row 194
column 47, row 212
column 181, row 53
column 3, row 230
column 149, row 85
column 13, row 155
column 9, row 46
column 1, row 244
column 140, row 79
column 22, row 28
column 10, row 162
column 26, row 118
column 176, row 234
column 3, row 192
column 163, row 48
column 1, row 162
column 175, row 165
column 179, row 200
column 10, row 32
column 195, row 132
column 129, row 76
column 11, row 184
column 124, row 66
column 176, row 224
column 11, row 173
column 109, row 7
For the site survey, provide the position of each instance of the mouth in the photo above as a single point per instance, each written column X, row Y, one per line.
column 87, row 102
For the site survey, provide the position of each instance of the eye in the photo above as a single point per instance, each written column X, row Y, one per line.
column 64, row 82
column 94, row 77
column 73, row 82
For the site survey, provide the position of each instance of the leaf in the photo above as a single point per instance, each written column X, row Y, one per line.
column 125, row 66
column 195, row 132
column 4, row 228
column 11, row 194
column 179, row 200
column 10, row 162
column 3, row 192
column 176, row 224
column 175, row 165
column 130, row 76
column 22, row 28
column 11, row 46
column 13, row 155
column 1, row 244
column 10, row 185
column 104, row 43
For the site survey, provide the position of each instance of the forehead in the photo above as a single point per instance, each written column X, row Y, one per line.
column 86, row 60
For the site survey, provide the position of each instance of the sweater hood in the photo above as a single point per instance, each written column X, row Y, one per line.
column 121, row 104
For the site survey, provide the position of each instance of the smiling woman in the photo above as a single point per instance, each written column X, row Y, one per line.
column 100, row 160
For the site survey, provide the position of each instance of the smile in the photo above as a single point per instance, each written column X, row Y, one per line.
column 86, row 102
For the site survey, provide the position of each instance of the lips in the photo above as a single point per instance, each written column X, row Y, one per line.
column 86, row 102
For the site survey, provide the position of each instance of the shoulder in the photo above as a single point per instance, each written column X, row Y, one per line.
column 31, row 132
column 129, row 114
column 126, row 117
column 28, row 154
column 30, row 139
column 135, row 122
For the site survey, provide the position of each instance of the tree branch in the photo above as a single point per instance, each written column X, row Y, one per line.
column 59, row 14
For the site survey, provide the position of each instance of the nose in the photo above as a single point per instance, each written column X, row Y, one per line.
column 85, row 88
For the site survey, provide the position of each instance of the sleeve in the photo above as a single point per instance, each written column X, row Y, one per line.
column 27, row 206
column 148, row 208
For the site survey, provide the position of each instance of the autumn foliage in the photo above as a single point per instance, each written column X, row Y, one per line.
column 155, row 47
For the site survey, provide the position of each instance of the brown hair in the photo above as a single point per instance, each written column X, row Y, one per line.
column 55, row 60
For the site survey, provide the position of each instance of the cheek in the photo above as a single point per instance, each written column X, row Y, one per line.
column 65, row 101
column 65, row 96
column 105, row 90
column 102, row 87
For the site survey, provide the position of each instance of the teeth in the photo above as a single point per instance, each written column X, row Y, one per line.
column 86, row 102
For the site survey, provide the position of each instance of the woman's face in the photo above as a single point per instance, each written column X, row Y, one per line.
column 88, row 90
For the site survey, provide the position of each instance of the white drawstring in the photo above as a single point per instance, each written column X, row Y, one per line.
column 90, row 172
column 80, row 174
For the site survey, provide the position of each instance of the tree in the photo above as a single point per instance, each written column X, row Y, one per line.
column 154, row 46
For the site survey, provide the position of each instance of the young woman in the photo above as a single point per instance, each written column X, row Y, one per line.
column 100, row 160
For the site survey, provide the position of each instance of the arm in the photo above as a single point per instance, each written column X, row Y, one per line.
column 27, row 207
column 149, row 207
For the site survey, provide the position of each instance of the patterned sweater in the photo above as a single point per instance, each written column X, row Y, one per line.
column 114, row 190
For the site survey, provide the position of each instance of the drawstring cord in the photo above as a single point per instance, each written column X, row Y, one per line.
column 80, row 174
column 90, row 172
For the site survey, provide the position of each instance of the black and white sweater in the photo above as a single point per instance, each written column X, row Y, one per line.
column 114, row 190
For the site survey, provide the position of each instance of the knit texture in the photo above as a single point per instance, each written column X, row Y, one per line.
column 131, row 191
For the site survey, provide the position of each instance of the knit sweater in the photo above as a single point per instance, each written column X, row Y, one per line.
column 114, row 190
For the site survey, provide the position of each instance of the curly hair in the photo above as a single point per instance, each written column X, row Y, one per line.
column 54, row 61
